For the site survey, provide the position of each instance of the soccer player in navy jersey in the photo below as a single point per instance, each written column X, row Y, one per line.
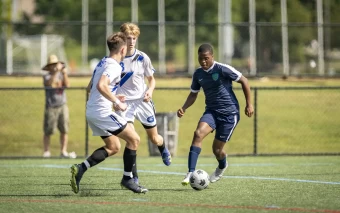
column 221, row 111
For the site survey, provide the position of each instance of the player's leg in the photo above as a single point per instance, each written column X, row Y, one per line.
column 50, row 123
column 134, row 168
column 145, row 113
column 224, row 131
column 112, row 146
column 129, row 116
column 221, row 157
column 158, row 140
column 204, row 127
column 107, row 128
column 129, row 157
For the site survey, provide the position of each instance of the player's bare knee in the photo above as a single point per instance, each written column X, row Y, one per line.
column 218, row 152
column 111, row 150
column 198, row 135
column 133, row 142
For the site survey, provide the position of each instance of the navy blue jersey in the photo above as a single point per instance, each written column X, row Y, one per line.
column 217, row 86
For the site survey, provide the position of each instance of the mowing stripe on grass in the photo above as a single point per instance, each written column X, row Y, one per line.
column 260, row 208
column 234, row 177
column 182, row 174
column 185, row 165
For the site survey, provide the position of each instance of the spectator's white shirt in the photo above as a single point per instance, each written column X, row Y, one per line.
column 97, row 103
column 135, row 68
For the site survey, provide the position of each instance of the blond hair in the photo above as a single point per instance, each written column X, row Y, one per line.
column 116, row 41
column 130, row 29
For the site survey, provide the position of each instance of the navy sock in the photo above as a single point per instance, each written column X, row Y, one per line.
column 161, row 148
column 222, row 163
column 193, row 156
column 129, row 158
column 97, row 156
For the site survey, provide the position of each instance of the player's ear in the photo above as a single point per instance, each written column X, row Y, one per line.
column 123, row 50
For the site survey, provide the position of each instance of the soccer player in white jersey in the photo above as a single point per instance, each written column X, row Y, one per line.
column 222, row 110
column 106, row 123
column 138, row 96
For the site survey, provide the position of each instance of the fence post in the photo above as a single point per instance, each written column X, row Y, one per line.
column 255, row 122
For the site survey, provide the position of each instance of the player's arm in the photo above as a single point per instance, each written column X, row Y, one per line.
column 249, row 110
column 103, row 88
column 190, row 101
column 151, row 87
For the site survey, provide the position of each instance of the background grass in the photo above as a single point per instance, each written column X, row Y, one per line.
column 251, row 184
column 291, row 121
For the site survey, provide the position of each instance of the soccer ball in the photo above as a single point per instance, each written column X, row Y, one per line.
column 199, row 179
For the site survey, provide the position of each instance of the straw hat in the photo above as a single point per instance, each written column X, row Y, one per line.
column 52, row 59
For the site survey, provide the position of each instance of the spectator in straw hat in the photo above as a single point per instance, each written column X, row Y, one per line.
column 56, row 109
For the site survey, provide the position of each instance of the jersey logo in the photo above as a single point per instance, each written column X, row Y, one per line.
column 140, row 58
column 215, row 76
column 150, row 119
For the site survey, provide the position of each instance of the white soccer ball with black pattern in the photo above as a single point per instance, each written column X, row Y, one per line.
column 199, row 179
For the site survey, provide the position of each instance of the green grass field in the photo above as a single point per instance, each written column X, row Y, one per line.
column 289, row 121
column 251, row 184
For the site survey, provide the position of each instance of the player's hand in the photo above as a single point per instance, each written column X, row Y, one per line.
column 121, row 97
column 249, row 110
column 120, row 107
column 147, row 96
column 180, row 112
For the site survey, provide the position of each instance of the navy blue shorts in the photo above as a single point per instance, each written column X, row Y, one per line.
column 223, row 124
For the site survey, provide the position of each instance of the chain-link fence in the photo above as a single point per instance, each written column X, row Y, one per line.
column 258, row 37
column 288, row 120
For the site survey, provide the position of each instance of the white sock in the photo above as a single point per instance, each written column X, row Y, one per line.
column 87, row 164
column 128, row 174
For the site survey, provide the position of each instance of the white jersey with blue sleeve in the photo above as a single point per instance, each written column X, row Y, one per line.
column 97, row 103
column 134, row 70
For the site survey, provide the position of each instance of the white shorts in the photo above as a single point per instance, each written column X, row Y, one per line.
column 142, row 111
column 106, row 125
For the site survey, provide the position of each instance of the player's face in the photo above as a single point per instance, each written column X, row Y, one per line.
column 205, row 59
column 131, row 41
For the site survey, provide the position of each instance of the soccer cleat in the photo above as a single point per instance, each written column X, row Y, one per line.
column 217, row 174
column 131, row 185
column 166, row 157
column 136, row 180
column 76, row 175
column 186, row 180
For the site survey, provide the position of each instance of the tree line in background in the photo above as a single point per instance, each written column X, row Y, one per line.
column 63, row 17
